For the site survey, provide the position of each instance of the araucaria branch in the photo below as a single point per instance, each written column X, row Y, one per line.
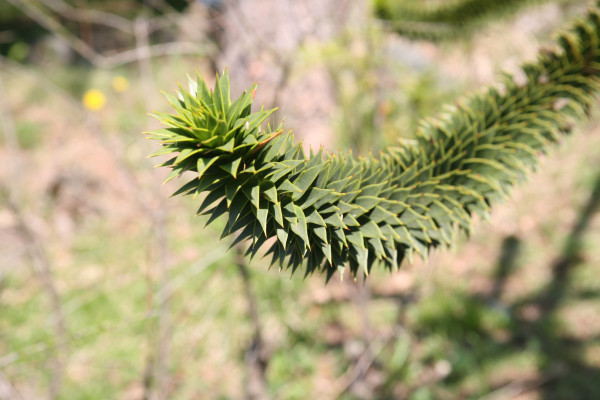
column 332, row 211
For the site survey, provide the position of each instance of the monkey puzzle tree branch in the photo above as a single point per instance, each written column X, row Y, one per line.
column 330, row 211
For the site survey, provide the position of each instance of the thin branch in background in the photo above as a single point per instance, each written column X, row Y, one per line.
column 364, row 295
column 359, row 294
column 142, row 50
column 191, row 32
column 9, row 130
column 161, row 350
column 521, row 386
column 364, row 362
column 91, row 16
column 164, row 320
column 167, row 14
column 43, row 271
column 95, row 58
column 35, row 250
column 152, row 51
column 287, row 61
column 56, row 28
column 167, row 20
column 260, row 46
column 256, row 354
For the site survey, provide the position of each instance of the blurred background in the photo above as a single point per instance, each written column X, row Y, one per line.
column 109, row 289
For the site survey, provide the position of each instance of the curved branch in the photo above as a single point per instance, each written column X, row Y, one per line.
column 330, row 210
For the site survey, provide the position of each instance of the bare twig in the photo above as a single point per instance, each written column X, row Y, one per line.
column 158, row 356
column 254, row 40
column 209, row 258
column 256, row 355
column 100, row 60
column 43, row 271
column 518, row 387
column 152, row 51
column 59, row 30
column 260, row 46
column 35, row 249
column 91, row 16
column 361, row 299
column 11, row 139
column 368, row 357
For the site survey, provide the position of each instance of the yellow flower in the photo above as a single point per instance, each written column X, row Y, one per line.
column 120, row 84
column 94, row 100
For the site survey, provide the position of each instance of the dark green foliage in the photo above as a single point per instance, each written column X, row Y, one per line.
column 449, row 19
column 329, row 211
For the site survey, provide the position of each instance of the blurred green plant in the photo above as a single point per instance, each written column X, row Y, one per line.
column 443, row 20
column 18, row 51
column 29, row 134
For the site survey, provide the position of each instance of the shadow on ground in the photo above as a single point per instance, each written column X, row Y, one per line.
column 455, row 344
column 529, row 324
